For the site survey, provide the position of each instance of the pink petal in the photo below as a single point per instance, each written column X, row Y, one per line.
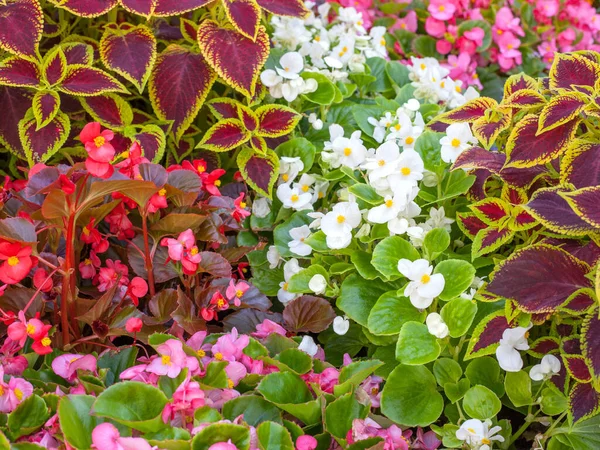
column 90, row 132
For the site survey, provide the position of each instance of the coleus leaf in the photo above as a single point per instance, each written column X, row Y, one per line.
column 525, row 148
column 543, row 346
column 178, row 86
column 54, row 67
column 21, row 27
column 248, row 118
column 585, row 202
column 14, row 103
column 293, row 8
column 78, row 53
column 486, row 335
column 111, row 110
column 470, row 111
column 521, row 219
column 577, row 368
column 223, row 108
column 19, row 72
column 225, row 135
column 86, row 8
column 276, row 120
column 259, row 144
column 584, row 401
column 189, row 29
column 129, row 51
column 166, row 8
column 539, row 278
column 519, row 82
column 553, row 211
column 581, row 164
column 590, row 338
column 46, row 105
column 527, row 98
column 470, row 224
column 486, row 131
column 89, row 81
column 492, row 211
column 570, row 70
column 244, row 15
column 236, row 58
column 153, row 142
column 259, row 171
column 560, row 110
column 141, row 7
column 490, row 239
column 580, row 302
column 41, row 144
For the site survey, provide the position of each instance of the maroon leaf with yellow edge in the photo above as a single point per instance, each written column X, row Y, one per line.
column 178, row 86
column 539, row 278
column 276, row 120
column 89, row 81
column 577, row 368
column 549, row 208
column 46, row 105
column 525, row 148
column 259, row 171
column 560, row 110
column 487, row 131
column 543, row 346
column 580, row 302
column 244, row 15
column 248, row 117
column 189, row 29
column 470, row 111
column 54, row 67
column 111, row 110
column 590, row 338
column 521, row 220
column 130, row 52
column 487, row 335
column 14, row 103
column 18, row 72
column 527, row 98
column 40, row 145
column 491, row 211
column 225, row 135
column 470, row 224
column 258, row 144
column 21, row 26
column 586, row 204
column 165, row 8
column 223, row 108
column 86, row 8
column 142, row 7
column 294, row 8
column 581, row 164
column 152, row 140
column 570, row 70
column 519, row 82
column 490, row 239
column 78, row 53
column 236, row 58
column 584, row 401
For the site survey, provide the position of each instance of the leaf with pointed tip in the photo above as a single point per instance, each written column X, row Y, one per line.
column 293, row 8
column 577, row 368
column 523, row 99
column 276, row 120
column 590, row 338
column 244, row 15
column 166, row 8
column 223, row 108
column 470, row 111
column 539, row 278
column 236, row 58
column 46, row 105
column 543, row 346
column 519, row 82
column 492, row 211
column 14, row 103
column 259, row 144
column 487, row 131
column 130, row 52
column 18, row 72
column 189, row 29
column 585, row 203
column 579, row 303
column 111, row 110
column 490, row 239
column 152, row 141
column 584, row 402
column 486, row 335
column 54, row 67
column 470, row 224
column 86, row 8
column 570, row 70
column 260, row 172
column 78, row 53
column 89, row 81
column 225, row 135
column 21, row 27
column 178, row 86
column 40, row 145
column 581, row 164
column 141, row 7
column 561, row 110
column 308, row 314
column 525, row 148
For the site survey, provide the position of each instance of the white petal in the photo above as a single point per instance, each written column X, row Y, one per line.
column 341, row 325
column 509, row 358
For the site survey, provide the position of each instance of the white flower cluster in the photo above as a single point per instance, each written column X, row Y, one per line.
column 285, row 81
column 478, row 435
column 433, row 85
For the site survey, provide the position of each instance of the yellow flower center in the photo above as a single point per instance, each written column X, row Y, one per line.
column 442, row 8
column 405, row 171
column 471, row 430
column 486, row 441
column 409, row 140
column 388, row 124
column 403, row 26
column 13, row 261
column 321, row 195
column 389, row 203
column 397, row 127
column 88, row 262
column 86, row 231
column 1, row 391
column 201, row 353
column 294, row 198
column 18, row 393
column 285, row 177
column 318, row 38
column 166, row 360
column 475, row 76
column 239, row 293
column 425, row 279
column 220, row 303
column 287, row 69
column 382, row 42
column 341, row 219
column 509, row 46
column 201, row 169
column 359, row 23
column 194, row 251
column 286, row 286
column 99, row 141
column 347, row 151
column 455, row 142
column 374, row 391
column 423, row 66
column 381, row 162
column 499, row 31
column 305, row 188
column 457, row 89
column 162, row 192
column 219, row 356
column 230, row 384
column 125, row 154
column 46, row 342
column 243, row 205
column 30, row 329
column 442, row 84
column 218, row 183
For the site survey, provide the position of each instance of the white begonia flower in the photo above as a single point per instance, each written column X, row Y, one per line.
column 316, row 123
column 430, row 179
column 297, row 244
column 513, row 340
column 383, row 162
column 356, row 63
column 417, row 234
column 436, row 326
column 377, row 42
column 390, row 209
column 478, row 435
column 339, row 223
column 290, row 268
column 458, row 139
column 294, row 198
column 547, row 368
column 290, row 167
column 291, row 64
column 423, row 286
column 438, row 219
column 317, row 217
column 351, row 151
column 261, row 207
column 317, row 284
column 270, row 78
column 273, row 257
column 333, row 62
column 412, row 105
column 409, row 170
column 381, row 126
column 305, row 182
column 408, row 139
column 402, row 125
column 308, row 346
column 320, row 190
column 341, row 325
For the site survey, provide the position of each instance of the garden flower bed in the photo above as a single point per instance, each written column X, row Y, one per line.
column 269, row 224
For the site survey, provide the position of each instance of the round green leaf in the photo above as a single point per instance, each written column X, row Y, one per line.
column 297, row 360
column 254, row 408
column 391, row 312
column 340, row 414
column 325, row 93
column 222, row 432
column 416, row 345
column 76, row 422
column 436, row 242
column 553, row 401
column 446, row 370
column 358, row 296
column 458, row 315
column 486, row 371
column 298, row 148
column 272, row 435
column 481, row 403
column 518, row 388
column 30, row 415
column 387, row 254
column 299, row 283
column 458, row 275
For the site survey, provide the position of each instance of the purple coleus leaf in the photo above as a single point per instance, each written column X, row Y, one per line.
column 21, row 27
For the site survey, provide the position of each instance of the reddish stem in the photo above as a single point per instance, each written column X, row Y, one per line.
column 147, row 255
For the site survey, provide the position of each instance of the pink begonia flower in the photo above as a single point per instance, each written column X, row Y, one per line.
column 138, row 373
column 441, row 10
column 408, row 23
column 216, row 398
column 548, row 8
column 266, row 328
column 229, row 347
column 137, row 289
column 176, row 247
column 466, row 45
column 476, row 35
column 196, row 343
column 134, row 325
column 171, row 360
column 87, row 267
column 393, row 437
column 235, row 372
column 443, row 46
column 435, row 28
column 67, row 365
column 506, row 21
column 187, row 398
column 113, row 272
column 326, row 379
column 20, row 330
column 100, row 152
column 371, row 386
column 426, row 441
column 223, row 446
column 235, row 291
column 106, row 437
column 13, row 392
column 130, row 166
column 306, row 442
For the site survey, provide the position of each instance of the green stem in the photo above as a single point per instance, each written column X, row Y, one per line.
column 556, row 422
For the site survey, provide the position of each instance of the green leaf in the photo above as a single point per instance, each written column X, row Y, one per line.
column 76, row 420
column 429, row 147
column 366, row 193
column 358, row 296
column 362, row 262
column 410, row 397
column 281, row 234
column 325, row 93
column 435, row 243
column 582, row 435
column 216, row 376
column 29, row 416
column 456, row 391
column 116, row 362
column 378, row 66
column 387, row 254
column 458, row 276
column 446, row 370
column 486, row 371
column 425, row 46
column 222, row 432
column 298, row 148
column 481, row 403
column 458, row 315
column 299, row 283
column 416, row 346
column 362, row 113
column 273, row 435
column 340, row 414
column 553, row 401
column 397, row 72
column 206, row 414
column 255, row 410
column 356, row 372
column 134, row 404
column 295, row 359
column 391, row 312
column 457, row 183
column 518, row 388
